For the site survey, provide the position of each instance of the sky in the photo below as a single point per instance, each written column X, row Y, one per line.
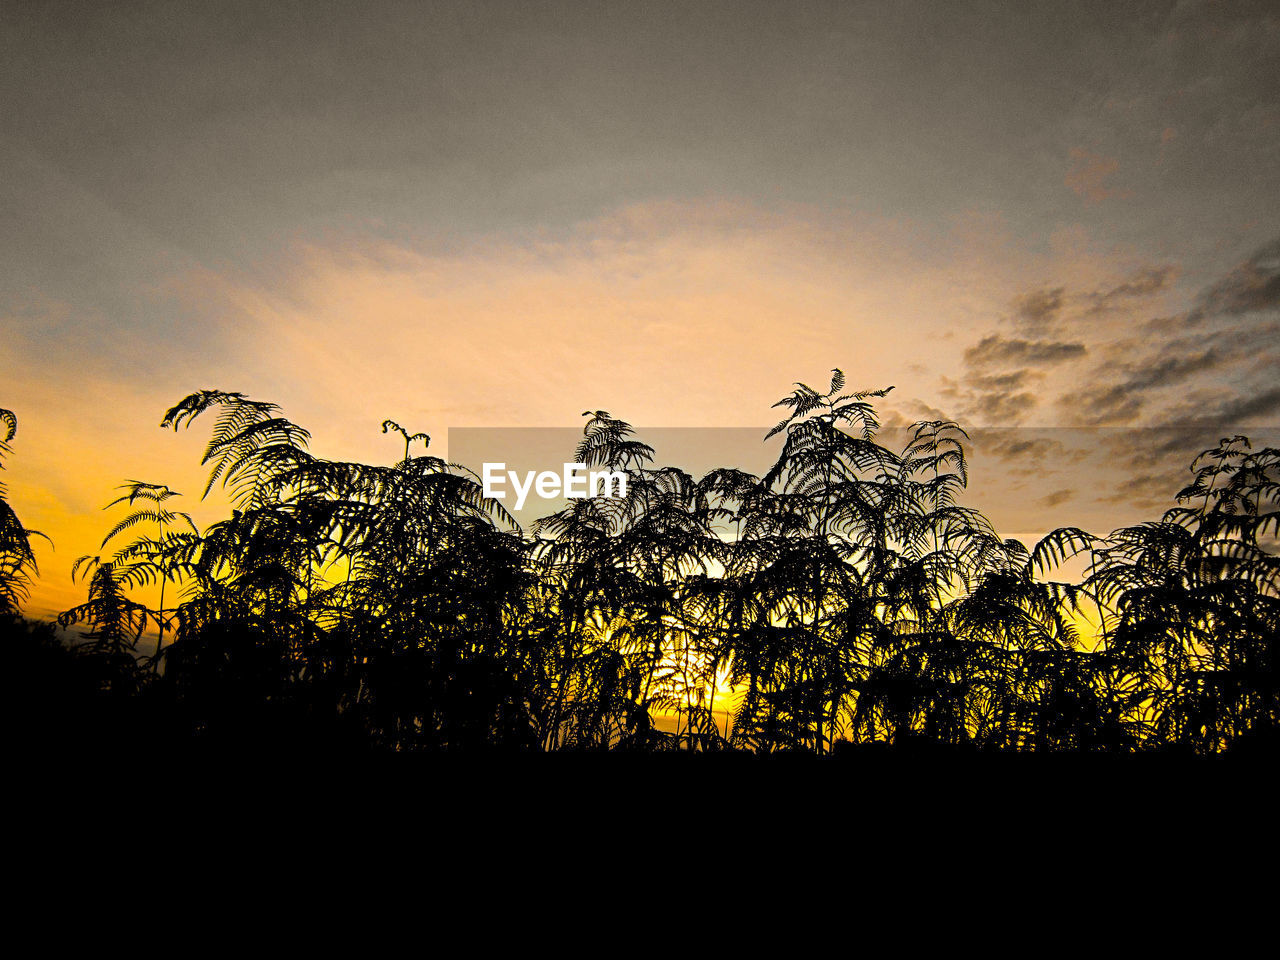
column 1033, row 218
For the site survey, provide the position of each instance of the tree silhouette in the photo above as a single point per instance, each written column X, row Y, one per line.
column 847, row 597
column 146, row 560
column 17, row 560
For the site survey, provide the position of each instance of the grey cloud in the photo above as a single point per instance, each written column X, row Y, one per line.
column 1161, row 452
column 1229, row 413
column 1251, row 287
column 1104, row 401
column 1037, row 311
column 1163, row 326
column 1003, row 407
column 1007, row 446
column 1173, row 369
column 1114, row 404
column 1057, row 497
column 923, row 411
column 1144, row 283
column 1213, row 364
column 1173, row 365
column 997, row 398
column 999, row 383
column 1144, row 490
column 998, row 349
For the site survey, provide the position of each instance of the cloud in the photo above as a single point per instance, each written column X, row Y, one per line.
column 1036, row 311
column 1002, row 374
column 1235, row 412
column 1145, row 283
column 1173, row 368
column 1057, row 497
column 1000, row 399
column 1000, row 383
column 1141, row 388
column 1121, row 401
column 998, row 407
column 1020, row 445
column 997, row 349
column 1146, row 490
column 1114, row 404
column 1212, row 363
column 1251, row 287
column 1088, row 176
column 1059, row 339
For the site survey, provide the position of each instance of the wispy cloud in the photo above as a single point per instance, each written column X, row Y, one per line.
column 1253, row 286
column 1145, row 283
column 998, row 349
column 1089, row 174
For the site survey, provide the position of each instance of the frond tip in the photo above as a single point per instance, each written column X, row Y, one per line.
column 10, row 425
column 390, row 425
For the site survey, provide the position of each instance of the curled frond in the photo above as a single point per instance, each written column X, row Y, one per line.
column 10, row 422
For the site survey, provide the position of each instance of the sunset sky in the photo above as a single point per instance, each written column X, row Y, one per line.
column 487, row 214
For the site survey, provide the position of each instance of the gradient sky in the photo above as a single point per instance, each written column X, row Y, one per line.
column 487, row 214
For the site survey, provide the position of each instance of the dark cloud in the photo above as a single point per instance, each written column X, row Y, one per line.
column 1148, row 452
column 997, row 349
column 1113, row 404
column 999, row 383
column 1005, row 407
column 1057, row 497
column 1251, row 287
column 1212, row 365
column 1222, row 338
column 1144, row 283
column 1037, row 311
column 1009, row 445
column 1003, row 396
column 997, row 399
column 1049, row 457
column 1145, row 490
column 1107, row 401
column 1163, row 326
column 923, row 411
column 1173, row 369
column 1231, row 412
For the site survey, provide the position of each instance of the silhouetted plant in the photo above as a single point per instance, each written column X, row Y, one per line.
column 847, row 596
column 113, row 623
column 17, row 560
column 148, row 560
column 1197, row 596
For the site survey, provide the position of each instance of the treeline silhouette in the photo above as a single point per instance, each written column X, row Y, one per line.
column 846, row 597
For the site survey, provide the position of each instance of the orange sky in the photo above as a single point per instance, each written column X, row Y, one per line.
column 698, row 313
